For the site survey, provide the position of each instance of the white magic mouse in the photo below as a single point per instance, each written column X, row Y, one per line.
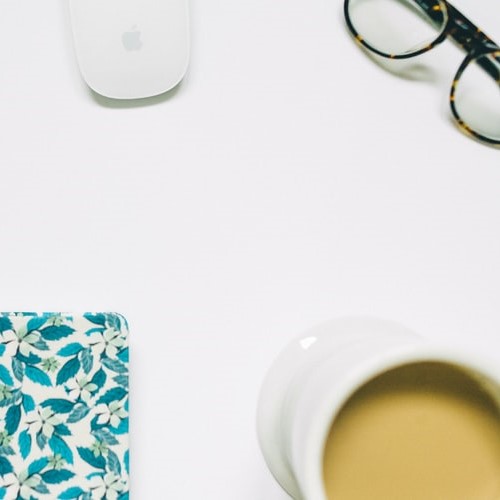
column 131, row 49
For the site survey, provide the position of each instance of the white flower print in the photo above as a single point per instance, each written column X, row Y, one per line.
column 19, row 486
column 20, row 341
column 107, row 487
column 80, row 388
column 110, row 341
column 111, row 414
column 44, row 421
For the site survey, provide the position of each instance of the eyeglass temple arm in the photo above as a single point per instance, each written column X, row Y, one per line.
column 465, row 33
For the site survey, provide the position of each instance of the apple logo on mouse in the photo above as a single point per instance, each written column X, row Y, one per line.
column 132, row 39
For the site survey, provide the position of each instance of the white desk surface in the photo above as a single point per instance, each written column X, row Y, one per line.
column 289, row 180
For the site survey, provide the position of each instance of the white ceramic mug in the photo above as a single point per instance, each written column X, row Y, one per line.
column 317, row 373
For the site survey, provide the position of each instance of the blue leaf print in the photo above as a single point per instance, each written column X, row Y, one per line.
column 25, row 444
column 41, row 440
column 122, row 428
column 59, row 446
column 79, row 412
column 32, row 359
column 6, row 450
column 56, row 332
column 12, row 419
column 2, row 350
column 123, row 355
column 91, row 459
column 18, row 369
column 94, row 330
column 41, row 345
column 126, row 459
column 5, row 324
column 115, row 394
column 5, row 466
column 70, row 369
column 87, row 360
column 87, row 496
column 99, row 379
column 70, row 350
column 124, row 496
column 5, row 376
column 41, row 488
column 121, row 380
column 105, row 436
column 115, row 321
column 36, row 375
column 58, row 405
column 62, row 430
column 114, row 365
column 37, row 466
column 35, row 323
column 95, row 425
column 28, row 403
column 94, row 474
column 114, row 463
column 97, row 319
column 16, row 396
column 71, row 493
column 3, row 492
column 55, row 476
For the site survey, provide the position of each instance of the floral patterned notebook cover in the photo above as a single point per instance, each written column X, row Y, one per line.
column 63, row 406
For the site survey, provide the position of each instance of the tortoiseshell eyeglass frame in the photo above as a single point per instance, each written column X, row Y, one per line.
column 457, row 27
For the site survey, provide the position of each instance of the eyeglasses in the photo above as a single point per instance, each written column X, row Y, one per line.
column 399, row 29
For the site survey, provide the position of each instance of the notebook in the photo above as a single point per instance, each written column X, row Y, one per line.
column 64, row 406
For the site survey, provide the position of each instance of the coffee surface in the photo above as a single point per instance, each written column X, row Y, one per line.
column 425, row 431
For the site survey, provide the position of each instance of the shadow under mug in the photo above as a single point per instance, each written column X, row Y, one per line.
column 317, row 373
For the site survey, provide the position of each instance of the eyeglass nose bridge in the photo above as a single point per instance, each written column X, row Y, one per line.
column 466, row 34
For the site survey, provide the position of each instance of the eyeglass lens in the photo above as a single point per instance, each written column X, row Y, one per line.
column 477, row 96
column 398, row 27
